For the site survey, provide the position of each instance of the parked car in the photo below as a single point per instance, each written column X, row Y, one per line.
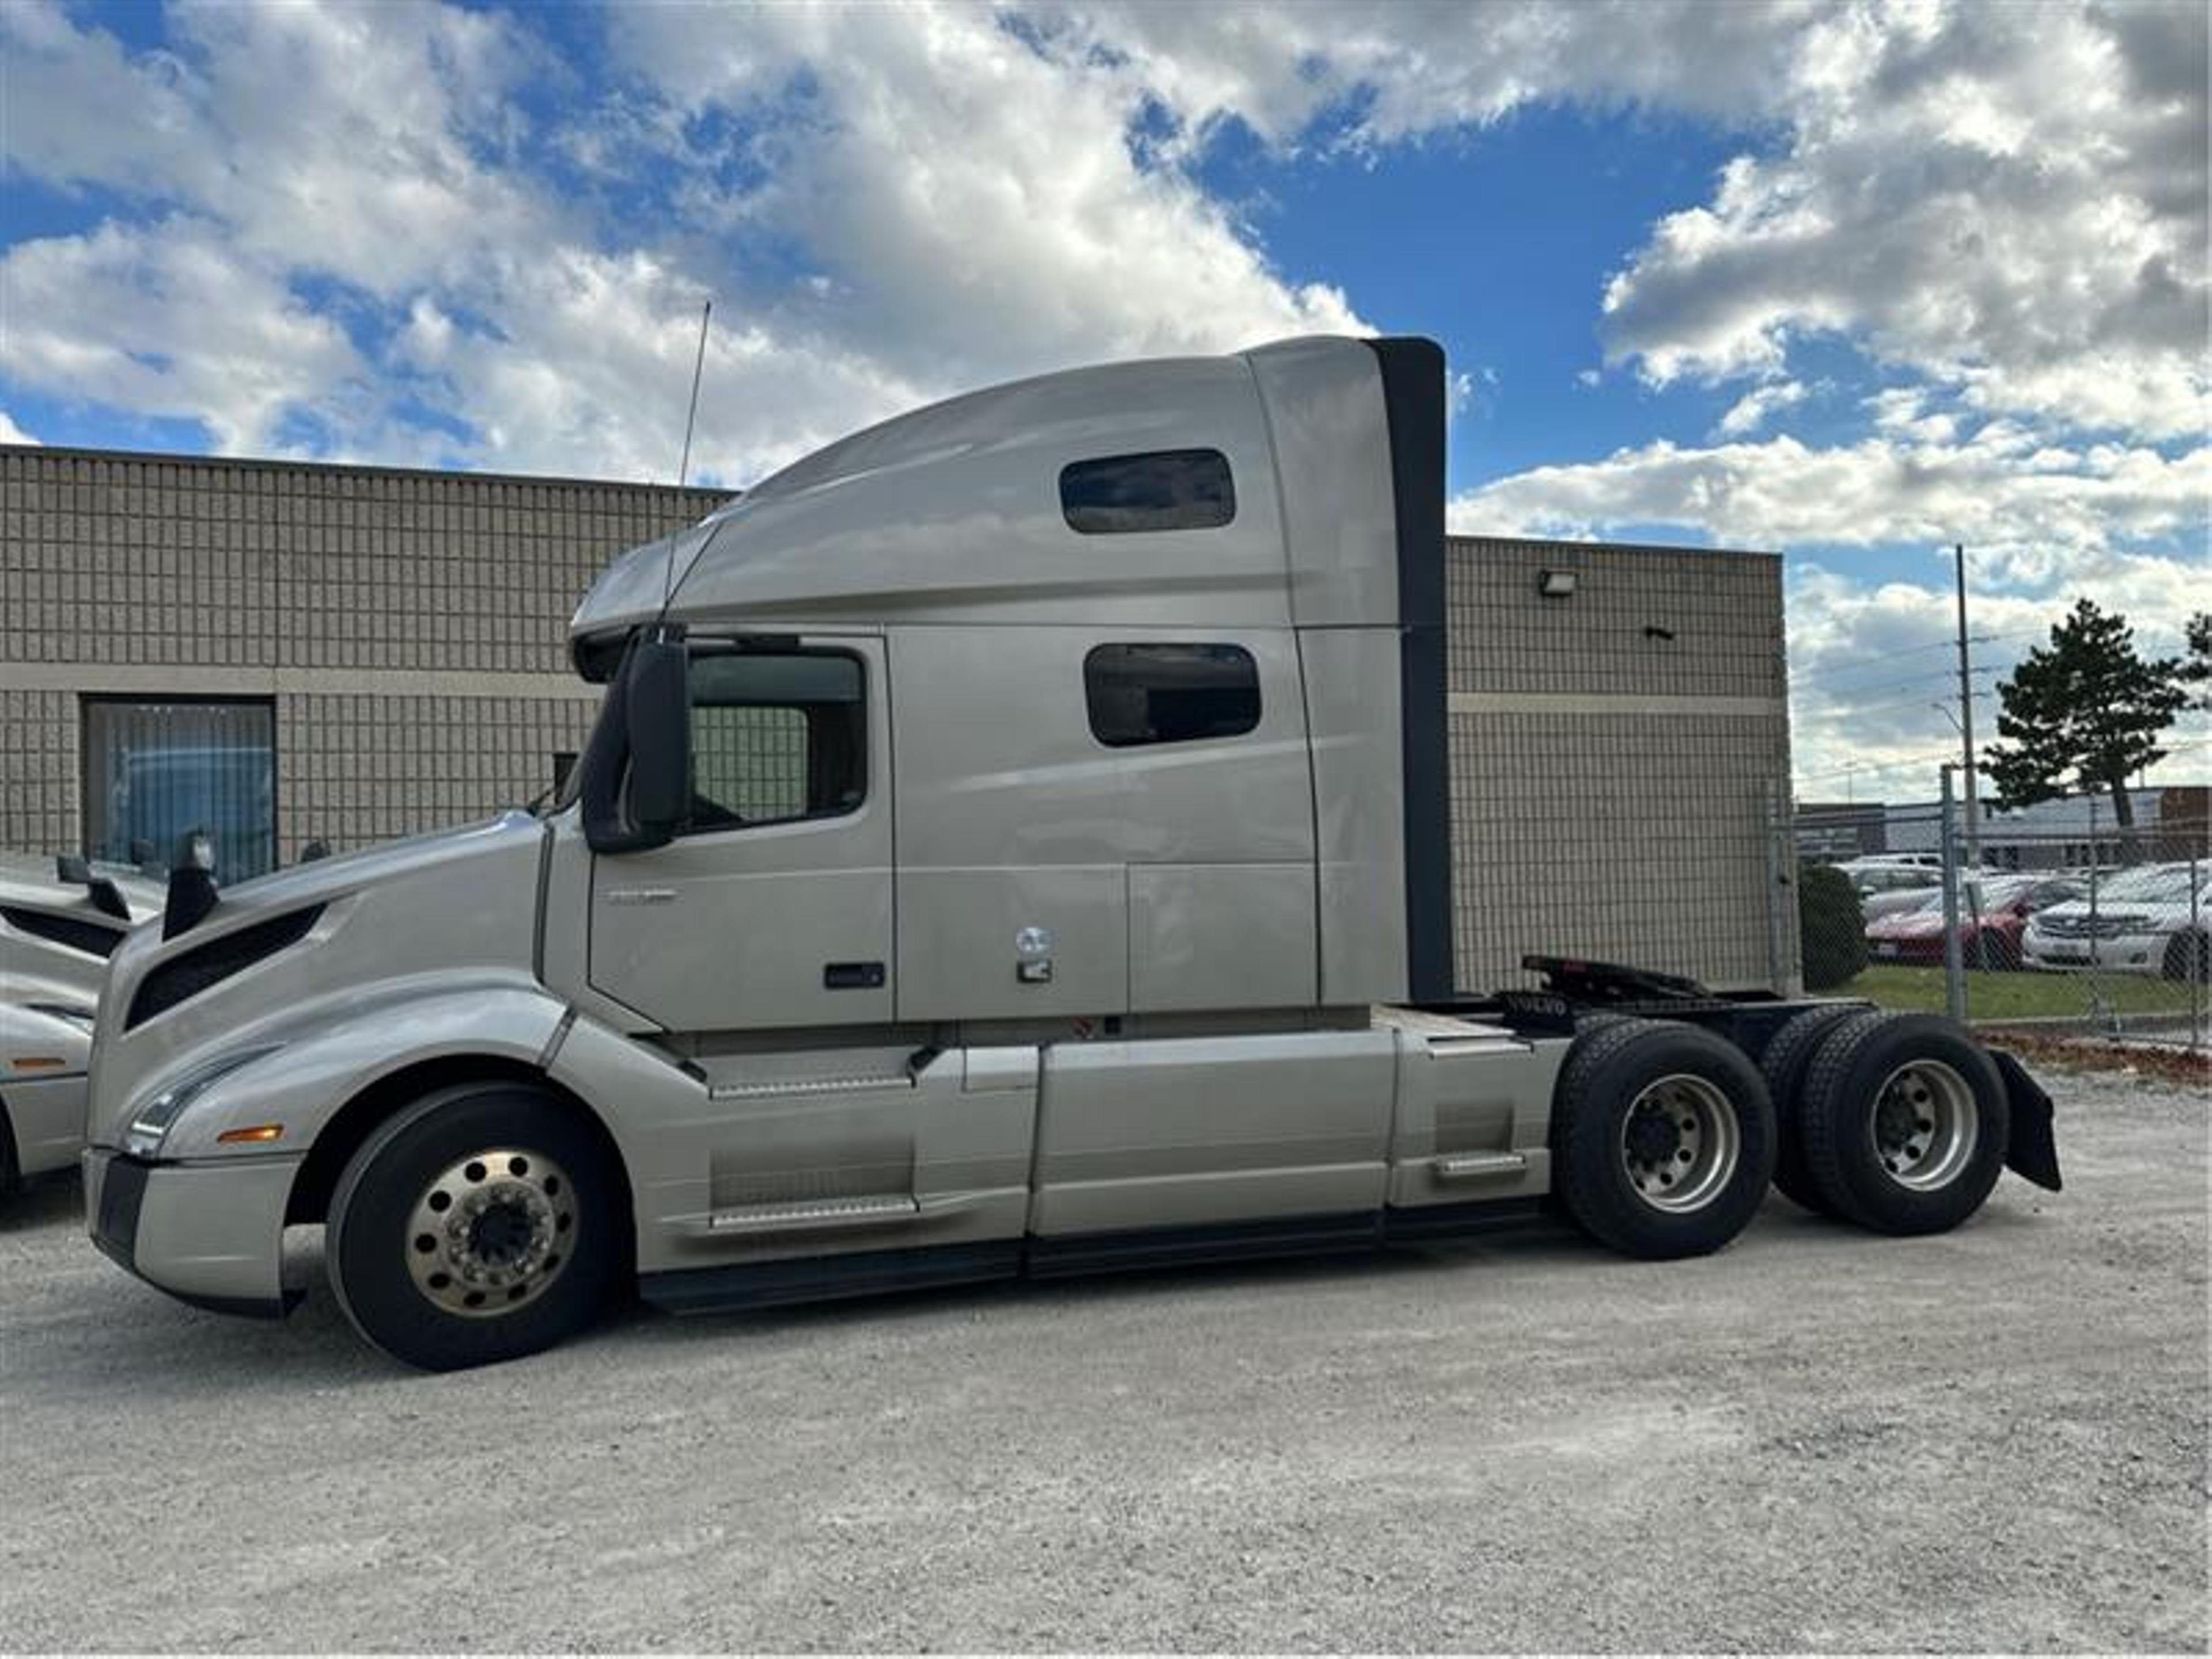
column 2150, row 920
column 57, row 928
column 1993, row 915
column 1886, row 886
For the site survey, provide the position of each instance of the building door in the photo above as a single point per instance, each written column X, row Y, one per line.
column 158, row 770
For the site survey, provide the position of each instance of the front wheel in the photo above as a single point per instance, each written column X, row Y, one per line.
column 1662, row 1139
column 2188, row 959
column 480, row 1225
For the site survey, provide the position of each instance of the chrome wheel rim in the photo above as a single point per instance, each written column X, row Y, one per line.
column 492, row 1232
column 1925, row 1125
column 1679, row 1143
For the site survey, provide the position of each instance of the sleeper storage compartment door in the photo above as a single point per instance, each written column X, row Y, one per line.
column 1050, row 795
column 1195, row 1131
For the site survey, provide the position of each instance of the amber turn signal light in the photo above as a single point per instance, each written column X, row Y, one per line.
column 257, row 1132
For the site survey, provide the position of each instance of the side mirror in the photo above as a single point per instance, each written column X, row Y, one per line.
column 657, row 718
column 192, row 885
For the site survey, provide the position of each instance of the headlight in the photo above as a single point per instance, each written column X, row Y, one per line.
column 150, row 1123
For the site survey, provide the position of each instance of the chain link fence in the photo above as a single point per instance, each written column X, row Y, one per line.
column 2092, row 930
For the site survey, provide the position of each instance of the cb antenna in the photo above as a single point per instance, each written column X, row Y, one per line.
column 684, row 468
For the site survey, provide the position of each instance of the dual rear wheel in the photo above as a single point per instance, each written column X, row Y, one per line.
column 1665, row 1136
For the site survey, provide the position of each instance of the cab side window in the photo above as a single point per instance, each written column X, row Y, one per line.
column 775, row 736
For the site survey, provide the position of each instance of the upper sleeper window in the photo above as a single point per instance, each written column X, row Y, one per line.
column 1168, row 490
column 1142, row 693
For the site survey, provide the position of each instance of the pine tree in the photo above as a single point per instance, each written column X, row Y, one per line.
column 2196, row 666
column 2085, row 714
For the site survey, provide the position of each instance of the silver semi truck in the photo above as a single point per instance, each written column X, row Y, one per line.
column 59, row 922
column 1014, row 841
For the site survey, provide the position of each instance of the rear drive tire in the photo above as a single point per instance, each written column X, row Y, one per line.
column 1905, row 1122
column 1662, row 1139
column 2188, row 959
column 482, row 1224
column 1787, row 1056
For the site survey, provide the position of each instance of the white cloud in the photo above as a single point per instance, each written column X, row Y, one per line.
column 977, row 200
column 2007, row 200
column 1758, row 406
column 1874, row 669
column 2033, row 507
column 12, row 433
column 169, row 319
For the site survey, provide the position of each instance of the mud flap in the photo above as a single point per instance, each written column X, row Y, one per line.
column 2033, row 1152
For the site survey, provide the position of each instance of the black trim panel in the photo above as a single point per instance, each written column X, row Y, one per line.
column 92, row 937
column 188, row 974
column 828, row 1278
column 871, row 1273
column 1413, row 404
column 122, row 1193
column 1063, row 1255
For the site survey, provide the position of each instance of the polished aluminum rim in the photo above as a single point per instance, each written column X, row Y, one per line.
column 1680, row 1144
column 1925, row 1125
column 491, row 1232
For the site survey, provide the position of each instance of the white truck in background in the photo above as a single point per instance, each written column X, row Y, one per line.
column 1014, row 842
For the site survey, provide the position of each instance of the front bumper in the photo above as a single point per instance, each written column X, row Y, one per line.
column 209, row 1234
column 2124, row 953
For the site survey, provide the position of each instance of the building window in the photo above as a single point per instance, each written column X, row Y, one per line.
column 1142, row 693
column 1169, row 489
column 157, row 770
column 775, row 736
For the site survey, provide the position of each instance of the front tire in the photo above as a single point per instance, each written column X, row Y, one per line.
column 480, row 1225
column 2188, row 959
column 1662, row 1139
column 1905, row 1122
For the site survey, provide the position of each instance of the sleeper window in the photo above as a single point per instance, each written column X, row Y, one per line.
column 1167, row 490
column 775, row 736
column 1144, row 693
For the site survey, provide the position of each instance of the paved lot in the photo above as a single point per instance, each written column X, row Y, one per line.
column 1995, row 1440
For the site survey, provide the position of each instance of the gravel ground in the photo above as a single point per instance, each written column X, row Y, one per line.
column 1991, row 1440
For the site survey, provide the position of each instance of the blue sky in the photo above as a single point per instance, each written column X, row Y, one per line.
column 1850, row 281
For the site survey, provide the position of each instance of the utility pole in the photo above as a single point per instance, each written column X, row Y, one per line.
column 1966, row 720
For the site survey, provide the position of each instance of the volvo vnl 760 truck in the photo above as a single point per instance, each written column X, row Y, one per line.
column 1013, row 841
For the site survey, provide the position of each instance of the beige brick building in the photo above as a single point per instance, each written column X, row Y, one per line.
column 373, row 651
column 293, row 652
column 1620, row 761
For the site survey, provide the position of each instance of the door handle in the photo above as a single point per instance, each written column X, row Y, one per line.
column 640, row 895
column 852, row 975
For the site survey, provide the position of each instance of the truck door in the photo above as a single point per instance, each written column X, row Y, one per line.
column 773, row 907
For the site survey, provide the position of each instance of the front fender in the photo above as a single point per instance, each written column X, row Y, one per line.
column 303, row 1083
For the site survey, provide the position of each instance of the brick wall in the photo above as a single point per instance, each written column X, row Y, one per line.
column 1619, row 759
column 410, row 629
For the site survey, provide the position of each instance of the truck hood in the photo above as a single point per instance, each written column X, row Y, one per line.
column 323, row 879
column 278, row 953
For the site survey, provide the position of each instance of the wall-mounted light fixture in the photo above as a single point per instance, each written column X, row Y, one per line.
column 1556, row 584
